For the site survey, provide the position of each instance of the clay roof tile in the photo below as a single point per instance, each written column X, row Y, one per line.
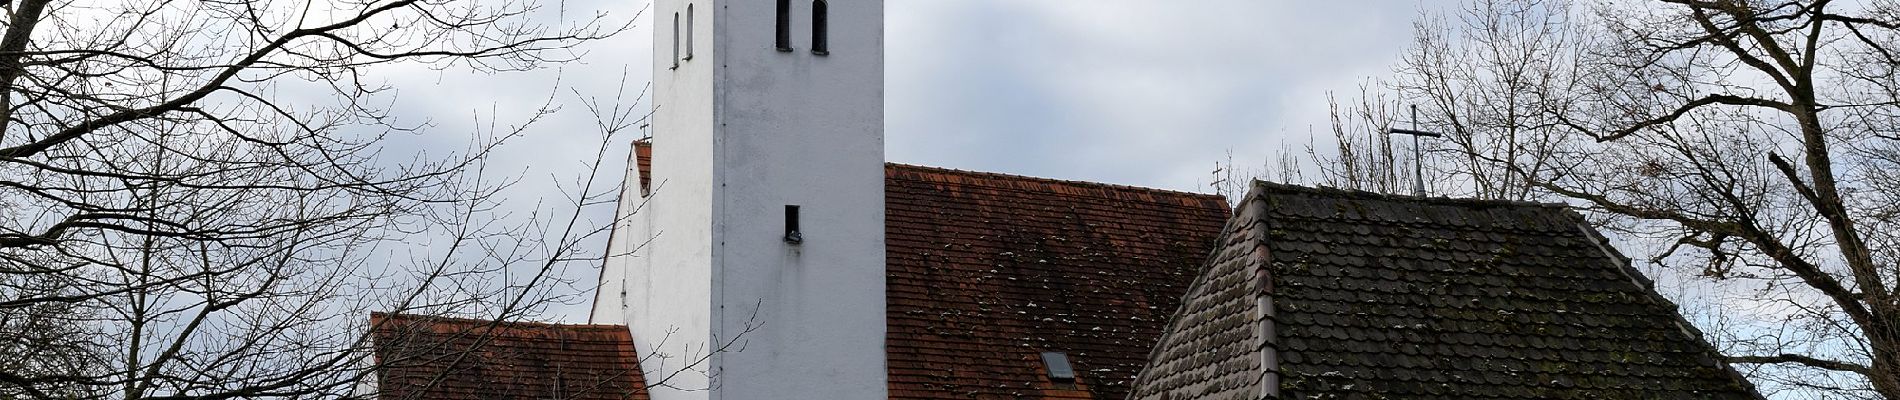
column 426, row 357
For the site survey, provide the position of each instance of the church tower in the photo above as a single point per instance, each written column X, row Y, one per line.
column 761, row 231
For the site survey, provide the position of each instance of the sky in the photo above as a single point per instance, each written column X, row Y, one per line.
column 1134, row 92
column 1142, row 93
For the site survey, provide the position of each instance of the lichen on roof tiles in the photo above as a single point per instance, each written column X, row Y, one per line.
column 1340, row 294
column 986, row 271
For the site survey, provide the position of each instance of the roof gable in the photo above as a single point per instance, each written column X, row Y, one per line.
column 1351, row 294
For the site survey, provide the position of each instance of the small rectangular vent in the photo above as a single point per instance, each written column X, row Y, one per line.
column 1058, row 365
column 792, row 235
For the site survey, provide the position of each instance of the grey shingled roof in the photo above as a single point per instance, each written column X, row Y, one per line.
column 1359, row 295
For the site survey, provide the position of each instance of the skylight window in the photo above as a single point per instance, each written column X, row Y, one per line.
column 1058, row 365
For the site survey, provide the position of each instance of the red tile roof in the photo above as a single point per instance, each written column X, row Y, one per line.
column 643, row 157
column 425, row 357
column 988, row 270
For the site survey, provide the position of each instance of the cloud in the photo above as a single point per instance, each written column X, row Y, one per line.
column 1123, row 91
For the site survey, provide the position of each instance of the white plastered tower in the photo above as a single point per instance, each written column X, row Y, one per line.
column 743, row 127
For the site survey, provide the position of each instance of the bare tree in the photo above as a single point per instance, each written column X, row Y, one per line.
column 205, row 199
column 1483, row 82
column 1362, row 156
column 1359, row 155
column 1757, row 138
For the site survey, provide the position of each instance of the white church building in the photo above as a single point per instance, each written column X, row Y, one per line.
column 766, row 249
column 760, row 117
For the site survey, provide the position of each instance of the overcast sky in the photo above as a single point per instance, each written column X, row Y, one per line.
column 1137, row 92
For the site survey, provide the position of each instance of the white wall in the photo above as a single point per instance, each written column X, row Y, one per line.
column 798, row 128
column 657, row 279
column 739, row 132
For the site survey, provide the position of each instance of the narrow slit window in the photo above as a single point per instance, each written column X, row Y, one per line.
column 820, row 28
column 676, row 41
column 784, row 25
column 689, row 33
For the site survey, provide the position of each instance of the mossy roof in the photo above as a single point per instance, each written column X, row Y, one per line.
column 1322, row 293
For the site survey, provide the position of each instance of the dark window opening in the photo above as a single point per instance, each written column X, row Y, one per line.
column 676, row 41
column 792, row 235
column 689, row 33
column 784, row 25
column 820, row 28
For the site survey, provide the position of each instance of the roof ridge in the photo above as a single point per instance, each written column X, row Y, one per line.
column 1082, row 183
column 1367, row 195
column 440, row 319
